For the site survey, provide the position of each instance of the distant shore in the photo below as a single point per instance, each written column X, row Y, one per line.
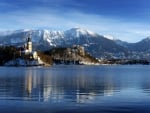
column 22, row 63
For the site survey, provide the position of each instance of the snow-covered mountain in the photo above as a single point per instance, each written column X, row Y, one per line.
column 94, row 43
column 141, row 46
column 97, row 45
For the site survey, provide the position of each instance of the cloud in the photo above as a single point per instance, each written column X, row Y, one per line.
column 35, row 18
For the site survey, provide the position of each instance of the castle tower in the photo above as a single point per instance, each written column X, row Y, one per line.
column 29, row 44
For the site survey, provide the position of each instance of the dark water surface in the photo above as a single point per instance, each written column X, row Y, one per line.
column 75, row 89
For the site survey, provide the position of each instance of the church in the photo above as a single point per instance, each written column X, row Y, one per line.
column 27, row 50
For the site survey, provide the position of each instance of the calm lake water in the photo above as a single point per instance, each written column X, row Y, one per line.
column 75, row 89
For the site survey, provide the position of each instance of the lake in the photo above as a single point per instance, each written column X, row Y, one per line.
column 75, row 89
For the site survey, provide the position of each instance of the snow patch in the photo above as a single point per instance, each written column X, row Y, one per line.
column 110, row 37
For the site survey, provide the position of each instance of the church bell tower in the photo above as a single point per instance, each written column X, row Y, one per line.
column 29, row 43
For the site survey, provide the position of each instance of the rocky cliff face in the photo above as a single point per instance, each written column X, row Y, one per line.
column 73, row 55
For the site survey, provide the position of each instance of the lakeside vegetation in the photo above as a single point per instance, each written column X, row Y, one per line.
column 45, row 58
column 67, row 55
column 70, row 54
column 8, row 53
column 125, row 61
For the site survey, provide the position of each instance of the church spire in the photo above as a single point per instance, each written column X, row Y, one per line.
column 29, row 37
column 29, row 43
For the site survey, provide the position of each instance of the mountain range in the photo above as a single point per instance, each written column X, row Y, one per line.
column 97, row 45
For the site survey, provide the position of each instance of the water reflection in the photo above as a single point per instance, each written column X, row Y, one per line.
column 52, row 85
column 79, row 85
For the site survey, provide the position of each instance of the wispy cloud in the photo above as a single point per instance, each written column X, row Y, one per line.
column 35, row 18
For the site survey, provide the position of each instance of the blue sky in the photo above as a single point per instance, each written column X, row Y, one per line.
column 127, row 20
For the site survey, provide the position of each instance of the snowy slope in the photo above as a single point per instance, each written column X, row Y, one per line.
column 45, row 39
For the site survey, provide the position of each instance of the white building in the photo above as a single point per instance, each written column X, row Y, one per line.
column 28, row 49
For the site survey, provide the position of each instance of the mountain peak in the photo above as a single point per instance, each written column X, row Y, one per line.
column 110, row 37
column 146, row 39
column 80, row 31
